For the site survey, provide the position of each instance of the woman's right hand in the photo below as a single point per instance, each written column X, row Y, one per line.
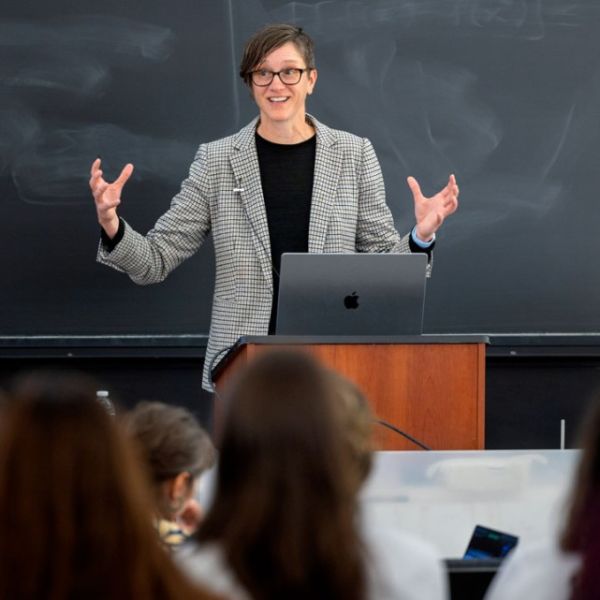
column 107, row 196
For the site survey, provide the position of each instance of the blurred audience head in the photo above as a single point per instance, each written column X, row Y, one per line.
column 581, row 533
column 176, row 450
column 285, row 502
column 356, row 424
column 75, row 511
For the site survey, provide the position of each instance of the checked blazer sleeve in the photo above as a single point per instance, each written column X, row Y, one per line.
column 175, row 236
column 375, row 225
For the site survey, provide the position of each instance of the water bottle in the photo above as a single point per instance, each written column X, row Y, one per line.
column 104, row 398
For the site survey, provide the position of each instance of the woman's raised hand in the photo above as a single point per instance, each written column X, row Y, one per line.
column 107, row 196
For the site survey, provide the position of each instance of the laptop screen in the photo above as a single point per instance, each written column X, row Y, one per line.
column 351, row 294
column 489, row 543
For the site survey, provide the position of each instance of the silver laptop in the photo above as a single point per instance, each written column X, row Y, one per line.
column 351, row 294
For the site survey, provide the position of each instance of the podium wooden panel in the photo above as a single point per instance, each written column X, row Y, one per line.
column 432, row 387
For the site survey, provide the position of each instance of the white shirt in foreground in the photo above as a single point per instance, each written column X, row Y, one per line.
column 399, row 566
column 538, row 571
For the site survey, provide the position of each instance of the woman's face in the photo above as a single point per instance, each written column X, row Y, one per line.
column 279, row 102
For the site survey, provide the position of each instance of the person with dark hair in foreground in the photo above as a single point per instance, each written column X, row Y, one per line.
column 176, row 451
column 284, row 183
column 284, row 522
column 564, row 568
column 75, row 511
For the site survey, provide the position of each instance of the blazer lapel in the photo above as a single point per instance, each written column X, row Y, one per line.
column 244, row 162
column 327, row 172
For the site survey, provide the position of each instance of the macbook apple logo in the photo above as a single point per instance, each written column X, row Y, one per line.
column 351, row 301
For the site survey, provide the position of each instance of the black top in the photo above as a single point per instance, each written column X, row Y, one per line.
column 286, row 173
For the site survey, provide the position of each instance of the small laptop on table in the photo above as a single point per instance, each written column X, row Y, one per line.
column 351, row 294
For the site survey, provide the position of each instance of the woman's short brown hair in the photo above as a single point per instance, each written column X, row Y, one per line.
column 270, row 38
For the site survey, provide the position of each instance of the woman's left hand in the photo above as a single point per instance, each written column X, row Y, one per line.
column 431, row 212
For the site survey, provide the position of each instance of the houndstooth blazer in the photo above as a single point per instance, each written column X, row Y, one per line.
column 223, row 195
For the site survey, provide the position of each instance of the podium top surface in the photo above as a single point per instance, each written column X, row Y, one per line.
column 362, row 339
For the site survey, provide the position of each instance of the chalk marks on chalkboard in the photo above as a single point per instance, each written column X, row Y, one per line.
column 54, row 169
column 576, row 131
column 18, row 129
column 64, row 63
column 71, row 74
column 76, row 55
column 92, row 35
column 560, row 143
column 437, row 124
column 524, row 19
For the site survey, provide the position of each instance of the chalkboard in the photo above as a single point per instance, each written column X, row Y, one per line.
column 504, row 94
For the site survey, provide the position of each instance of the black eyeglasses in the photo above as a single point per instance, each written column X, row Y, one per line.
column 264, row 77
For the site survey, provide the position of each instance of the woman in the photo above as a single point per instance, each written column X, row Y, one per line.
column 284, row 521
column 176, row 451
column 284, row 183
column 565, row 568
column 74, row 510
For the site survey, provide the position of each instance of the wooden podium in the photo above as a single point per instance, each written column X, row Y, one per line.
column 430, row 386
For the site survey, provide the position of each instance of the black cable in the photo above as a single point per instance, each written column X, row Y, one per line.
column 402, row 433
